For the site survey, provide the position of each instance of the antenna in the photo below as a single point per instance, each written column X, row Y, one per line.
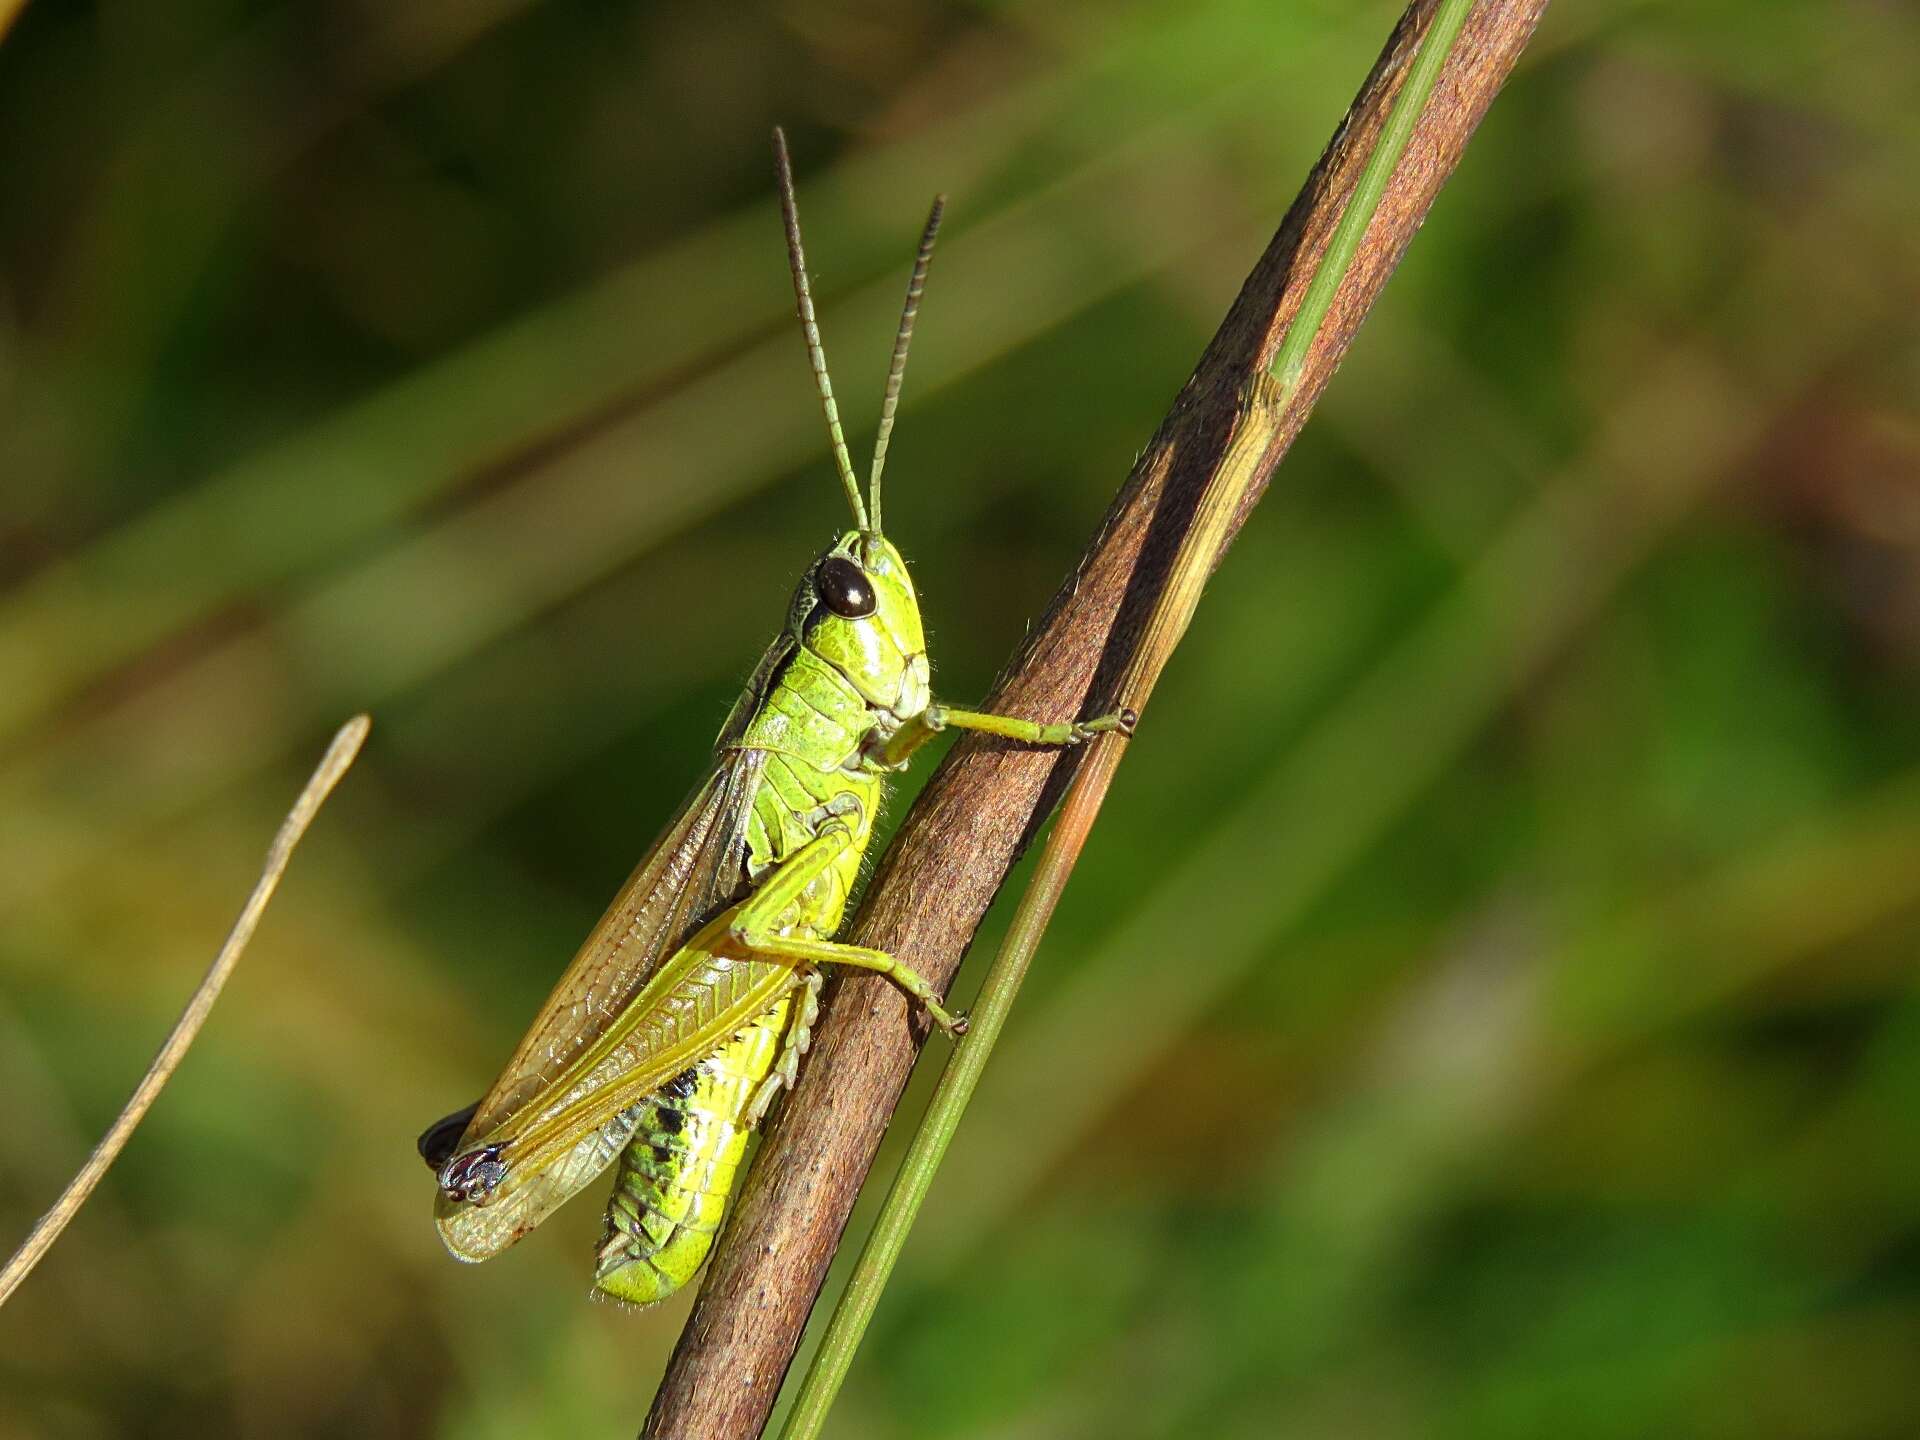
column 816, row 355
column 916, row 283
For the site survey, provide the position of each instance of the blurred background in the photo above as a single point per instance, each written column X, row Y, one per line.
column 1487, row 1008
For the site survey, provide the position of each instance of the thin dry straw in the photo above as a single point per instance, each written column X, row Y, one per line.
column 334, row 764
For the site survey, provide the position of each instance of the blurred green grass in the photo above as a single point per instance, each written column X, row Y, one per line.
column 1487, row 1008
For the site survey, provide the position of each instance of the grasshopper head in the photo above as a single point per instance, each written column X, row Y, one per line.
column 856, row 610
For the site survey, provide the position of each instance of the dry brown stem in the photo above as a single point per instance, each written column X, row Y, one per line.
column 982, row 805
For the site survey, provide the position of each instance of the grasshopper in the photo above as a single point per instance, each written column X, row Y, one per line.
column 689, row 1007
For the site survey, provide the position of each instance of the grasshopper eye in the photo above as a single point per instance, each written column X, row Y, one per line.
column 845, row 588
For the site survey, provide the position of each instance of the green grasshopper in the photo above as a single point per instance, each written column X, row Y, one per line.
column 687, row 1010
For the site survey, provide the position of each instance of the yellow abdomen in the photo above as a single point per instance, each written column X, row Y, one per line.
column 677, row 1173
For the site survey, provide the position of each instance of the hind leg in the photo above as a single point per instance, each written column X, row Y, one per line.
column 799, row 1038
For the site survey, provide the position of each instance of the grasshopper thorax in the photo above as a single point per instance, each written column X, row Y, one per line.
column 856, row 609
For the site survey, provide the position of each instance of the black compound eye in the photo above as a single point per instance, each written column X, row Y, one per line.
column 845, row 588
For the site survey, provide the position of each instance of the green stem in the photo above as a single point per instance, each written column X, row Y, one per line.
column 1238, row 471
column 1408, row 105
